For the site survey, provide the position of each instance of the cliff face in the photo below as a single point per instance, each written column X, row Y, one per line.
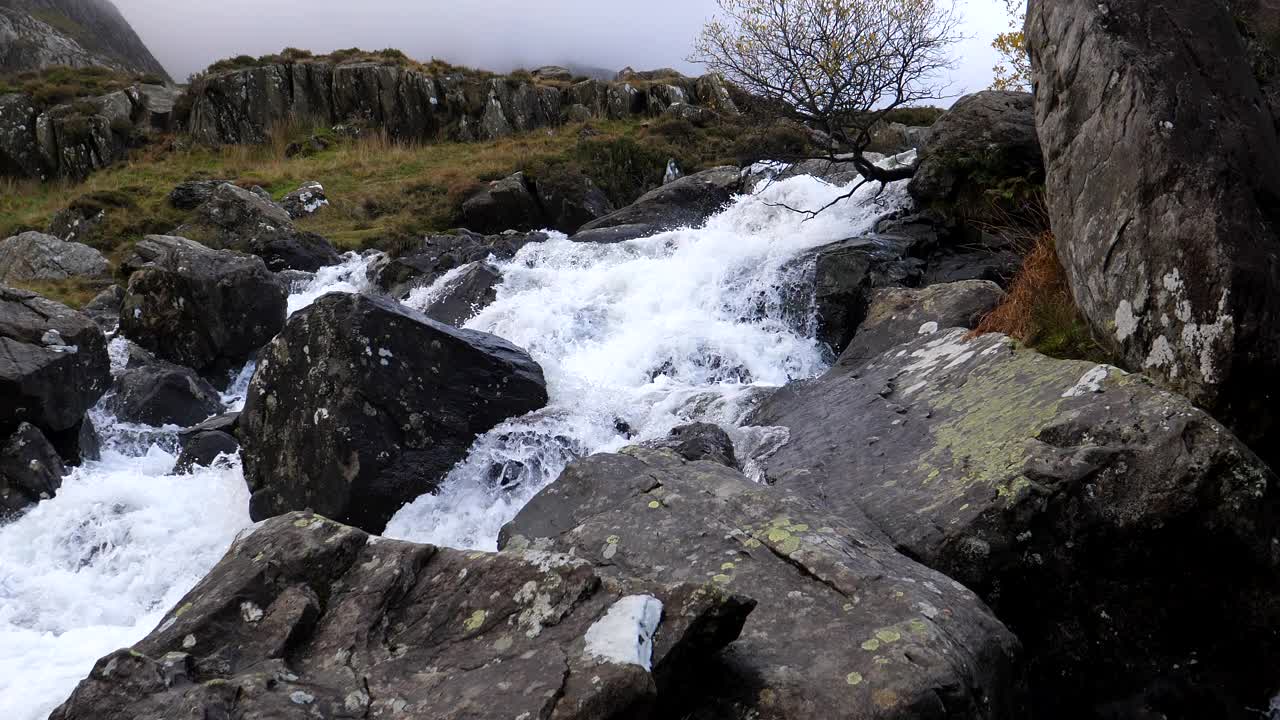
column 38, row 33
column 241, row 106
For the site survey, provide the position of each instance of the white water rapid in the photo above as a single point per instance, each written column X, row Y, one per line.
column 634, row 339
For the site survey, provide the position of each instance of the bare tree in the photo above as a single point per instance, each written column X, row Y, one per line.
column 835, row 65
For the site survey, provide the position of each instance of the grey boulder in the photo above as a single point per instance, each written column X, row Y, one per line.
column 688, row 201
column 30, row 470
column 236, row 219
column 33, row 256
column 305, row 201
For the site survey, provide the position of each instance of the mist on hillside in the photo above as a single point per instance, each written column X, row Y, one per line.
column 497, row 35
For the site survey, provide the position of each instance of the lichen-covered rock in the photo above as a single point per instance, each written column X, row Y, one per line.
column 19, row 151
column 1068, row 495
column 898, row 315
column 150, row 391
column 844, row 625
column 78, row 223
column 1163, row 163
column 400, row 401
column 506, row 204
column 33, row 256
column 193, row 193
column 422, row 264
column 305, row 617
column 984, row 139
column 305, row 201
column 30, row 470
column 236, row 219
column 687, row 201
column 205, row 309
column 699, row 441
column 53, row 363
column 77, row 139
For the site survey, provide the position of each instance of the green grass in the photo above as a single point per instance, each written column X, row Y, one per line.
column 59, row 84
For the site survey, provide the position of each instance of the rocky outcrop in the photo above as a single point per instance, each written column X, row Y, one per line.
column 1067, row 495
column 1168, row 235
column 688, row 201
column 205, row 309
column 36, row 34
column 33, row 256
column 571, row 202
column 30, row 470
column 422, row 264
column 192, row 194
column 241, row 106
column 911, row 642
column 507, row 204
column 400, row 402
column 19, row 151
column 53, row 363
column 985, row 139
column 153, row 392
column 898, row 315
column 305, row 617
column 237, row 219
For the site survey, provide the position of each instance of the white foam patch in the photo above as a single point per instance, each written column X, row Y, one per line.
column 624, row 635
column 349, row 277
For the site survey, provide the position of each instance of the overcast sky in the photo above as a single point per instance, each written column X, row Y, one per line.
column 492, row 34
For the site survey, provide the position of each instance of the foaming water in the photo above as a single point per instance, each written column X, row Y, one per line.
column 96, row 567
column 636, row 338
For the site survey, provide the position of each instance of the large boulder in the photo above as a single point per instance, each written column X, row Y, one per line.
column 687, row 201
column 308, row 618
column 570, row 202
column 844, row 625
column 361, row 405
column 33, row 256
column 1163, row 169
column 30, row 470
column 205, row 309
column 150, row 391
column 507, row 204
column 236, row 219
column 897, row 315
column 53, row 363
column 1068, row 495
column 985, row 139
column 435, row 255
column 192, row 194
column 469, row 292
column 307, row 200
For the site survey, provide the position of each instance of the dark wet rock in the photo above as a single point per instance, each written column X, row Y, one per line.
column 30, row 470
column 1068, row 495
column 687, row 201
column 984, row 139
column 237, row 219
column 202, row 448
column 308, row 617
column 842, row 621
column 150, row 391
column 427, row 261
column 205, row 309
column 194, row 193
column 899, row 315
column 53, row 362
column 469, row 293
column 699, row 441
column 507, row 204
column 951, row 250
column 400, row 402
column 619, row 233
column 570, row 203
column 78, row 444
column 33, row 256
column 1169, row 235
column 228, row 423
column 305, row 201
column 104, row 308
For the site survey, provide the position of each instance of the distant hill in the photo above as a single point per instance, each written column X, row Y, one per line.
column 36, row 34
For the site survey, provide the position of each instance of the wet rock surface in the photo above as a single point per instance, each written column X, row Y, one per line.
column 843, row 623
column 470, row 292
column 153, row 392
column 399, row 401
column 427, row 261
column 307, row 617
column 1068, row 495
column 30, row 470
column 205, row 309
column 687, row 201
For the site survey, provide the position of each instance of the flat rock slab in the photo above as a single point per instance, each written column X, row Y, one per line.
column 844, row 626
column 308, row 618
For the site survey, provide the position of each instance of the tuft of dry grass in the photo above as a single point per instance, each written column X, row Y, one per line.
column 1040, row 311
